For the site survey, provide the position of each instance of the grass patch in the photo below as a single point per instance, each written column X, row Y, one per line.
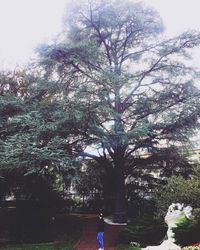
column 46, row 246
column 126, row 247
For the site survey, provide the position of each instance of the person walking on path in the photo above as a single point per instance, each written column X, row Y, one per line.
column 100, row 232
column 89, row 241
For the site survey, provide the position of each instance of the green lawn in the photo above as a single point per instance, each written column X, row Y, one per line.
column 47, row 246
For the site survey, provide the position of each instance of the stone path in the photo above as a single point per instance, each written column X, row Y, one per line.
column 89, row 241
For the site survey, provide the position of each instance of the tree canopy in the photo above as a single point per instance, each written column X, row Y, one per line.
column 137, row 86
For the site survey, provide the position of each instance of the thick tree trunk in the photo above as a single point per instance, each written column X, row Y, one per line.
column 120, row 213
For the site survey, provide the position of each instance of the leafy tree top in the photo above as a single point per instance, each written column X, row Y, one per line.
column 115, row 64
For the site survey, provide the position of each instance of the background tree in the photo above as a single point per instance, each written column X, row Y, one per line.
column 36, row 129
column 135, row 86
column 36, row 150
column 179, row 190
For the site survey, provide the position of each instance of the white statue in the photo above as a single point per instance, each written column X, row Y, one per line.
column 176, row 212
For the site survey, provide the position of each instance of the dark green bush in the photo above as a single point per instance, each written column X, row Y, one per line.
column 33, row 219
column 188, row 231
column 145, row 230
column 36, row 205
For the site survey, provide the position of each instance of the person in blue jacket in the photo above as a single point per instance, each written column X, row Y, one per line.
column 100, row 232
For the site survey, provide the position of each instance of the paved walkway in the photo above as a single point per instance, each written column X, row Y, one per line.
column 89, row 241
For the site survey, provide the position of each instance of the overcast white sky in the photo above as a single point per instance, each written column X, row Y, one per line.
column 26, row 23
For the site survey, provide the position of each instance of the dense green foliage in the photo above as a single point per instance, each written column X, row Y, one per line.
column 179, row 190
column 187, row 232
column 144, row 230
